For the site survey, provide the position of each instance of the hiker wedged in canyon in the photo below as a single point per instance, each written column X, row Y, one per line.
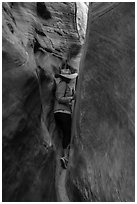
column 63, row 109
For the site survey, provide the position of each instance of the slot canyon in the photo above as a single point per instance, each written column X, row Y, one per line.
column 98, row 38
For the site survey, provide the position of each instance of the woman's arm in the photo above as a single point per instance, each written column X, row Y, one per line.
column 61, row 89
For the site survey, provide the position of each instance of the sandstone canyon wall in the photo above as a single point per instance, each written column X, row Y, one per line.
column 102, row 163
column 36, row 38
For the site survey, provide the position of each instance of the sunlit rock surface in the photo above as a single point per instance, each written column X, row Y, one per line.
column 103, row 147
column 82, row 10
column 37, row 37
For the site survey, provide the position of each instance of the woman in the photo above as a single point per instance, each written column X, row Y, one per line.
column 63, row 110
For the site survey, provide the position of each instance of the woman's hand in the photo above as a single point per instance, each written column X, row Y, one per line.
column 73, row 94
column 70, row 98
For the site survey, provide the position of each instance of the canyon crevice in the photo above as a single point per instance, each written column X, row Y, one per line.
column 36, row 38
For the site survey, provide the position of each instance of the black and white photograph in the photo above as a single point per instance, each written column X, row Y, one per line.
column 68, row 101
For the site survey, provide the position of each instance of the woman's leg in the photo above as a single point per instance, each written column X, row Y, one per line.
column 66, row 131
column 63, row 120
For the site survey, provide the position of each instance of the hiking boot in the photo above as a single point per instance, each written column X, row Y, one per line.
column 64, row 162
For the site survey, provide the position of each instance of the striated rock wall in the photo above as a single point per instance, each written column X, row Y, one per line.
column 102, row 162
column 81, row 20
column 36, row 38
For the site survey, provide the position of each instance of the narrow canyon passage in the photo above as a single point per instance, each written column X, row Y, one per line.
column 96, row 40
column 61, row 181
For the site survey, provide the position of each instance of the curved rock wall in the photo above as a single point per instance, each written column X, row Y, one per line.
column 37, row 37
column 102, row 162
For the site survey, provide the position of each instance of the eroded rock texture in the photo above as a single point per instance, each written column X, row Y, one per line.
column 37, row 37
column 102, row 155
